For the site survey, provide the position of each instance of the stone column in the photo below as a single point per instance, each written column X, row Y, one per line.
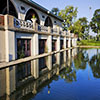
column 35, row 44
column 69, row 39
column 10, row 55
column 34, row 23
column 35, row 68
column 64, row 40
column 35, row 88
column 58, row 58
column 75, row 42
column 58, row 70
column 69, row 42
column 58, row 43
column 49, row 62
column 65, row 56
column 69, row 57
column 49, row 41
column 58, row 63
column 35, row 52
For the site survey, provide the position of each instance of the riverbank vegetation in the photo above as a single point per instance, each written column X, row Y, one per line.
column 80, row 26
column 90, row 42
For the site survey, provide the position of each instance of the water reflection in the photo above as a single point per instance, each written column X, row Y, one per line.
column 81, row 59
column 94, row 63
column 51, row 77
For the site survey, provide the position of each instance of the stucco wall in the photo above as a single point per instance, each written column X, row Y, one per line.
column 21, row 14
column 2, row 46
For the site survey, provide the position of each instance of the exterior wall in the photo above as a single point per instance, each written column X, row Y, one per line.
column 2, row 82
column 2, row 46
column 21, row 14
column 8, row 44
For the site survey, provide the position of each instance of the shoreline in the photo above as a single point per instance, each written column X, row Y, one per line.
column 84, row 46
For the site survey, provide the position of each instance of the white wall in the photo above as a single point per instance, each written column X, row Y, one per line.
column 21, row 14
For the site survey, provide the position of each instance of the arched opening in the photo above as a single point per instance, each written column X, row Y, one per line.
column 3, row 8
column 48, row 22
column 32, row 14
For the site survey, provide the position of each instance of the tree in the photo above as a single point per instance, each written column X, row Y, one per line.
column 81, row 60
column 95, row 22
column 69, row 15
column 85, row 26
column 76, row 28
column 55, row 11
column 95, row 65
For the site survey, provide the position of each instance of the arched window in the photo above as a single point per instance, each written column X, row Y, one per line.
column 32, row 14
column 48, row 22
column 3, row 8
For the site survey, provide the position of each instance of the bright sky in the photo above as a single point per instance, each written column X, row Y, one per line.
column 83, row 6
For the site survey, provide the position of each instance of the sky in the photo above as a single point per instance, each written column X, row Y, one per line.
column 83, row 6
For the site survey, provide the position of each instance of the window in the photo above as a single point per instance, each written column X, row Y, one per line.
column 23, row 48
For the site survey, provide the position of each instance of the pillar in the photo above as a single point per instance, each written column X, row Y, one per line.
column 69, row 39
column 49, row 41
column 69, row 57
column 35, row 51
column 10, row 55
column 58, row 43
column 65, row 43
column 58, row 58
column 49, row 62
column 75, row 42
column 35, row 68
column 58, row 70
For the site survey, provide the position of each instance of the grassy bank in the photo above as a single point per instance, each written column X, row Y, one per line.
column 89, row 43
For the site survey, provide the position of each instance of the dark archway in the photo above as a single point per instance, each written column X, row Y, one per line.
column 32, row 14
column 48, row 22
column 3, row 8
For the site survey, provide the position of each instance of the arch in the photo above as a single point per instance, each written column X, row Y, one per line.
column 48, row 22
column 12, row 9
column 32, row 14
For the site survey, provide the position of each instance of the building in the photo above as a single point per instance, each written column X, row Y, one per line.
column 27, row 31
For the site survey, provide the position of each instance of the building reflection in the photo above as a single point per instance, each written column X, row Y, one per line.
column 27, row 79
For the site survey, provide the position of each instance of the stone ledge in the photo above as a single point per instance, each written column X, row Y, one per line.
column 15, row 62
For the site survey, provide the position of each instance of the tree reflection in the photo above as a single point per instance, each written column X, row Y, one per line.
column 95, row 65
column 68, row 74
column 81, row 59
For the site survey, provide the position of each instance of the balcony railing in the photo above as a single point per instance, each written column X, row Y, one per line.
column 23, row 24
column 53, row 30
column 42, row 28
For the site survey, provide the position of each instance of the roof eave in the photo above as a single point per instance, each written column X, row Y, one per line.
column 39, row 7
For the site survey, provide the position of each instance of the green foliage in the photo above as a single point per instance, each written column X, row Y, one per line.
column 69, row 15
column 21, row 54
column 55, row 11
column 95, row 22
column 68, row 74
column 89, row 42
column 76, row 28
column 80, row 60
column 33, row 17
column 85, row 26
column 79, row 27
column 95, row 65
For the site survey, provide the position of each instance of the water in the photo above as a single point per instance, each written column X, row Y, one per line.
column 79, row 79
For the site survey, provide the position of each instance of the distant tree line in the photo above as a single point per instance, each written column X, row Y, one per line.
column 79, row 26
